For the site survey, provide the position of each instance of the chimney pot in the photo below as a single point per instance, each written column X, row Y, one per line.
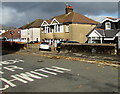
column 68, row 9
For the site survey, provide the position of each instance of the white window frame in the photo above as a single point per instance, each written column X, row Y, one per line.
column 108, row 25
column 67, row 28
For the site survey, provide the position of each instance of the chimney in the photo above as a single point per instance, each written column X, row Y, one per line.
column 68, row 9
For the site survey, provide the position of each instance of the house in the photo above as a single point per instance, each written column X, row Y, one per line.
column 31, row 32
column 13, row 34
column 106, row 32
column 68, row 26
column 2, row 31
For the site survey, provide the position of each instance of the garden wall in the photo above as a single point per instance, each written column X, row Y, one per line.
column 89, row 48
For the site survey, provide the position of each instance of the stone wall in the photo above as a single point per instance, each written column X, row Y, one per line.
column 89, row 48
column 33, row 46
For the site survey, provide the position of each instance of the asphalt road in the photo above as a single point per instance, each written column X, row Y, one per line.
column 69, row 76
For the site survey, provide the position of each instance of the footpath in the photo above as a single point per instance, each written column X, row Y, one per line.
column 110, row 60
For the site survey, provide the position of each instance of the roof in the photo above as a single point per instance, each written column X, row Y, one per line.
column 24, row 26
column 49, row 21
column 108, row 33
column 112, row 18
column 35, row 24
column 105, row 33
column 16, row 34
column 75, row 18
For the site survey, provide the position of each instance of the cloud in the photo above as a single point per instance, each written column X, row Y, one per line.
column 98, row 18
column 20, row 13
column 11, row 17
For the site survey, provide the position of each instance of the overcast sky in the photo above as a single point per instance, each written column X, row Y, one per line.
column 20, row 13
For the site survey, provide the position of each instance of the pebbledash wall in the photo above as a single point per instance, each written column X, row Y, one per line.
column 90, row 48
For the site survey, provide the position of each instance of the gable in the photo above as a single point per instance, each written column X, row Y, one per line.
column 44, row 23
column 54, row 21
column 94, row 34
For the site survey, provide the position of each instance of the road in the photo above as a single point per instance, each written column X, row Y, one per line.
column 31, row 73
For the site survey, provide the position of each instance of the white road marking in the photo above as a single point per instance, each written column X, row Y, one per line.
column 29, row 76
column 1, row 72
column 6, row 86
column 8, row 82
column 32, row 75
column 61, row 68
column 43, row 70
column 39, row 73
column 16, row 78
column 56, row 70
column 11, row 68
column 10, row 62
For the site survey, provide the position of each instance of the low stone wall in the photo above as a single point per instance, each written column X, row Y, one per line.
column 33, row 46
column 89, row 48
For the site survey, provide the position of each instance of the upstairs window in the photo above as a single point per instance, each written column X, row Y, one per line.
column 108, row 26
column 58, row 28
column 67, row 28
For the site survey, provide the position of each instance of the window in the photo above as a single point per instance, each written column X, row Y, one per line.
column 67, row 28
column 58, row 28
column 18, row 32
column 43, row 29
column 107, row 25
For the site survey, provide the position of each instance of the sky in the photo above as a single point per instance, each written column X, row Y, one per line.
column 19, row 13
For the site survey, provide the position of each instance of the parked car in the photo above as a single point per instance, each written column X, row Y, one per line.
column 71, row 42
column 45, row 46
column 33, row 42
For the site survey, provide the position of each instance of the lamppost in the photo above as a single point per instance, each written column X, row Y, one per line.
column 12, row 32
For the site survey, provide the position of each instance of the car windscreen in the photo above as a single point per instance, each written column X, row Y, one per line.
column 72, row 42
column 45, row 43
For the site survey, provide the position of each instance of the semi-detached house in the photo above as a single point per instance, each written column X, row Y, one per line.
column 68, row 26
column 31, row 32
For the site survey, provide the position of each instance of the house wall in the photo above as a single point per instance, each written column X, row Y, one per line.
column 24, row 35
column 78, row 32
column 55, row 35
column 36, row 34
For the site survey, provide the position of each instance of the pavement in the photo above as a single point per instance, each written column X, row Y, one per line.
column 109, row 60
column 113, row 60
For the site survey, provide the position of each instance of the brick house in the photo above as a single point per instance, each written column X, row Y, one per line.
column 14, row 34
